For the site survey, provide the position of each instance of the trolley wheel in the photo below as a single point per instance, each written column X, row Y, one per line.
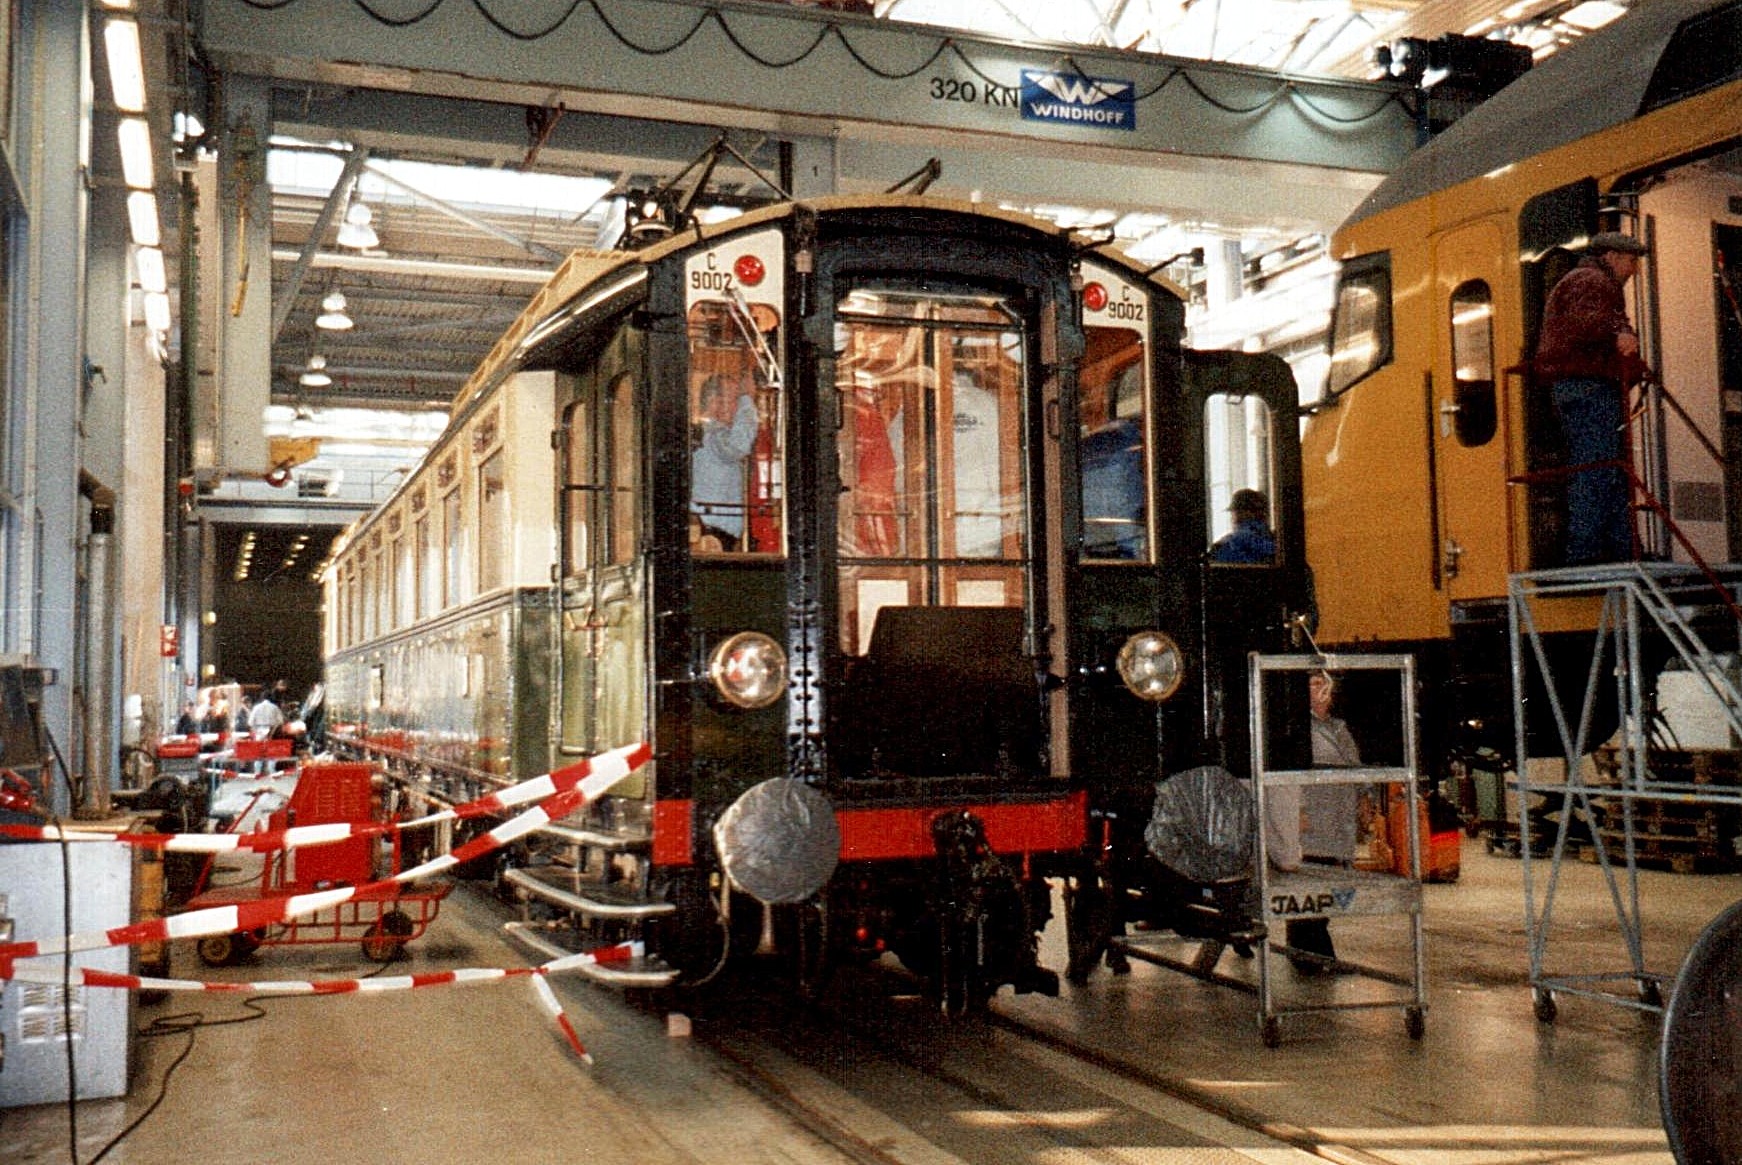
column 221, row 950
column 1650, row 993
column 1271, row 1032
column 1543, row 1001
column 1414, row 1022
column 387, row 936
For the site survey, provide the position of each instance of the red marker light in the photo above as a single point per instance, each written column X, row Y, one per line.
column 1094, row 296
column 749, row 270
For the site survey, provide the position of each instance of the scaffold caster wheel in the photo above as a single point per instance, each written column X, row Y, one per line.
column 1543, row 999
column 387, row 936
column 1414, row 1022
column 1271, row 1032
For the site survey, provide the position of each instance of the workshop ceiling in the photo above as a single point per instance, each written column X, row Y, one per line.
column 453, row 264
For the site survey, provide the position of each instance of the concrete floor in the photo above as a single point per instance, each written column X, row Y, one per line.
column 476, row 1072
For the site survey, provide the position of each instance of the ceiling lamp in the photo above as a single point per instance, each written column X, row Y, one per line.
column 333, row 317
column 355, row 231
column 315, row 375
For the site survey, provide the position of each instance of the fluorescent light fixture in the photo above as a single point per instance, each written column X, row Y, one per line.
column 333, row 317
column 157, row 311
column 275, row 420
column 142, row 218
column 126, row 72
column 1592, row 15
column 135, row 138
column 149, row 261
column 355, row 231
column 119, row 4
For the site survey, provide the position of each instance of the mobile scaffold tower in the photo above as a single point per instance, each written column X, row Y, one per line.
column 1643, row 607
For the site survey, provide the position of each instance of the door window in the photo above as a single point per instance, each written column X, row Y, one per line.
column 1240, row 463
column 933, row 504
column 1472, row 332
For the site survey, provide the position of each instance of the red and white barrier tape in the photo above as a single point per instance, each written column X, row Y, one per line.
column 600, row 772
column 90, row 977
column 605, row 772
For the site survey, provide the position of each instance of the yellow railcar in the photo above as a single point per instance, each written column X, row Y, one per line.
column 1430, row 464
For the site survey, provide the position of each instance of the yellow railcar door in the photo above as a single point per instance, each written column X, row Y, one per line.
column 1466, row 402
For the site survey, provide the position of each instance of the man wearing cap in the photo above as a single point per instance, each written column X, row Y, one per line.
column 1251, row 540
column 1589, row 353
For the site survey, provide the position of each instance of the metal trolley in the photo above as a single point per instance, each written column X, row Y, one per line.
column 1325, row 891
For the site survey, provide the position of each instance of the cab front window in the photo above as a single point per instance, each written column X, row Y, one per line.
column 1360, row 322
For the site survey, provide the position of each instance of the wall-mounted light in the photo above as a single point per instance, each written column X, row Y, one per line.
column 135, row 137
column 333, row 317
column 355, row 231
column 126, row 73
column 315, row 375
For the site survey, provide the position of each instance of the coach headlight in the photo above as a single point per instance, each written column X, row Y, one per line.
column 1151, row 665
column 748, row 670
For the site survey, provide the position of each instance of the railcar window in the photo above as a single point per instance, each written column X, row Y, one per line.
column 578, row 458
column 736, row 454
column 1240, row 461
column 1360, row 322
column 428, row 568
column 1472, row 331
column 1113, row 427
column 625, row 468
column 933, row 505
column 494, row 549
column 453, row 568
column 402, row 581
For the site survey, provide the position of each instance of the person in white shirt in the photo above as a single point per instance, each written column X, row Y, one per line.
column 265, row 718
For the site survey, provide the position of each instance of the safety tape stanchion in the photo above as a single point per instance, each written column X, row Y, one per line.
column 381, row 984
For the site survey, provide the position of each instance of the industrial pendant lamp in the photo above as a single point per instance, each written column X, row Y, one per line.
column 315, row 375
column 333, row 317
column 355, row 231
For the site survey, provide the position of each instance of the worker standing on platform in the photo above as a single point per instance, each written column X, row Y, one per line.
column 1588, row 353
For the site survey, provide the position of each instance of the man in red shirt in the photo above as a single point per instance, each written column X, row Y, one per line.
column 1589, row 353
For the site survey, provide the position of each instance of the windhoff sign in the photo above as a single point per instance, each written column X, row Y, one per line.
column 1075, row 99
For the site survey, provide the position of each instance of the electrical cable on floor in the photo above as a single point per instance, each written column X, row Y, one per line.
column 189, row 1023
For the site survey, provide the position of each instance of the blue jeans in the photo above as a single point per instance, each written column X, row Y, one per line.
column 1599, row 521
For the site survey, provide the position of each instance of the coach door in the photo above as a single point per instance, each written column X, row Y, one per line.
column 1466, row 403
column 603, row 587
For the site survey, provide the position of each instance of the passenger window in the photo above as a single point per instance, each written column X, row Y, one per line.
column 735, row 429
column 1360, row 322
column 1239, row 460
column 1472, row 310
column 494, row 547
column 1115, row 466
